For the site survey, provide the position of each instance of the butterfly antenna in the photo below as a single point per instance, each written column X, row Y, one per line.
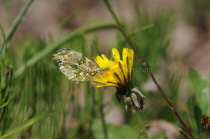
column 112, row 58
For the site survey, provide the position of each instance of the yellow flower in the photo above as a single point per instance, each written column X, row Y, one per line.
column 120, row 70
column 120, row 76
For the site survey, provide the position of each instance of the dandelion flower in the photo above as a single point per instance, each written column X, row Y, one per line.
column 120, row 76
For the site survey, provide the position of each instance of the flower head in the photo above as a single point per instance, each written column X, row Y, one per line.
column 120, row 76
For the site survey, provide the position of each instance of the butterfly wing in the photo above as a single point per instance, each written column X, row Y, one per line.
column 75, row 66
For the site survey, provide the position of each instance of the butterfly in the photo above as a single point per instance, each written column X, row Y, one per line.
column 77, row 67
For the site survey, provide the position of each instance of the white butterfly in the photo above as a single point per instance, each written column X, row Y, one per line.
column 76, row 66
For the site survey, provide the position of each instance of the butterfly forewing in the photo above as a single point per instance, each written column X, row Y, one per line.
column 76, row 66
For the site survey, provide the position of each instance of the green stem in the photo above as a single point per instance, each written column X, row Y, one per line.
column 145, row 64
column 16, row 23
column 49, row 49
column 141, row 126
column 18, row 20
column 103, row 120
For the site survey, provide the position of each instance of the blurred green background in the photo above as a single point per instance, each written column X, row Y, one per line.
column 38, row 102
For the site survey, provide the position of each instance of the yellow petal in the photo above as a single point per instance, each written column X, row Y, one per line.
column 116, row 54
column 106, row 60
column 102, row 61
column 125, row 53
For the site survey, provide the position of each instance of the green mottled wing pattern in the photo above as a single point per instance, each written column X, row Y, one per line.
column 76, row 66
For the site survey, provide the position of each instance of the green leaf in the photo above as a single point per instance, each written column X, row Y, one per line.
column 202, row 91
column 27, row 123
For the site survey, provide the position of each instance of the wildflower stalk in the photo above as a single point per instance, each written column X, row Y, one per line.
column 145, row 64
column 101, row 107
column 16, row 23
column 141, row 126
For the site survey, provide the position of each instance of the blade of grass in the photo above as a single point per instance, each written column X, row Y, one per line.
column 184, row 134
column 105, row 130
column 59, row 43
column 4, row 38
column 18, row 20
column 16, row 23
column 146, row 65
column 28, row 123
column 6, row 103
column 3, row 32
column 6, row 91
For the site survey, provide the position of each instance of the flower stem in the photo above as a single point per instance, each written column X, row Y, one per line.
column 141, row 126
column 145, row 64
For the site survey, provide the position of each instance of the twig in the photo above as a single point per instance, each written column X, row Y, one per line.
column 145, row 64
